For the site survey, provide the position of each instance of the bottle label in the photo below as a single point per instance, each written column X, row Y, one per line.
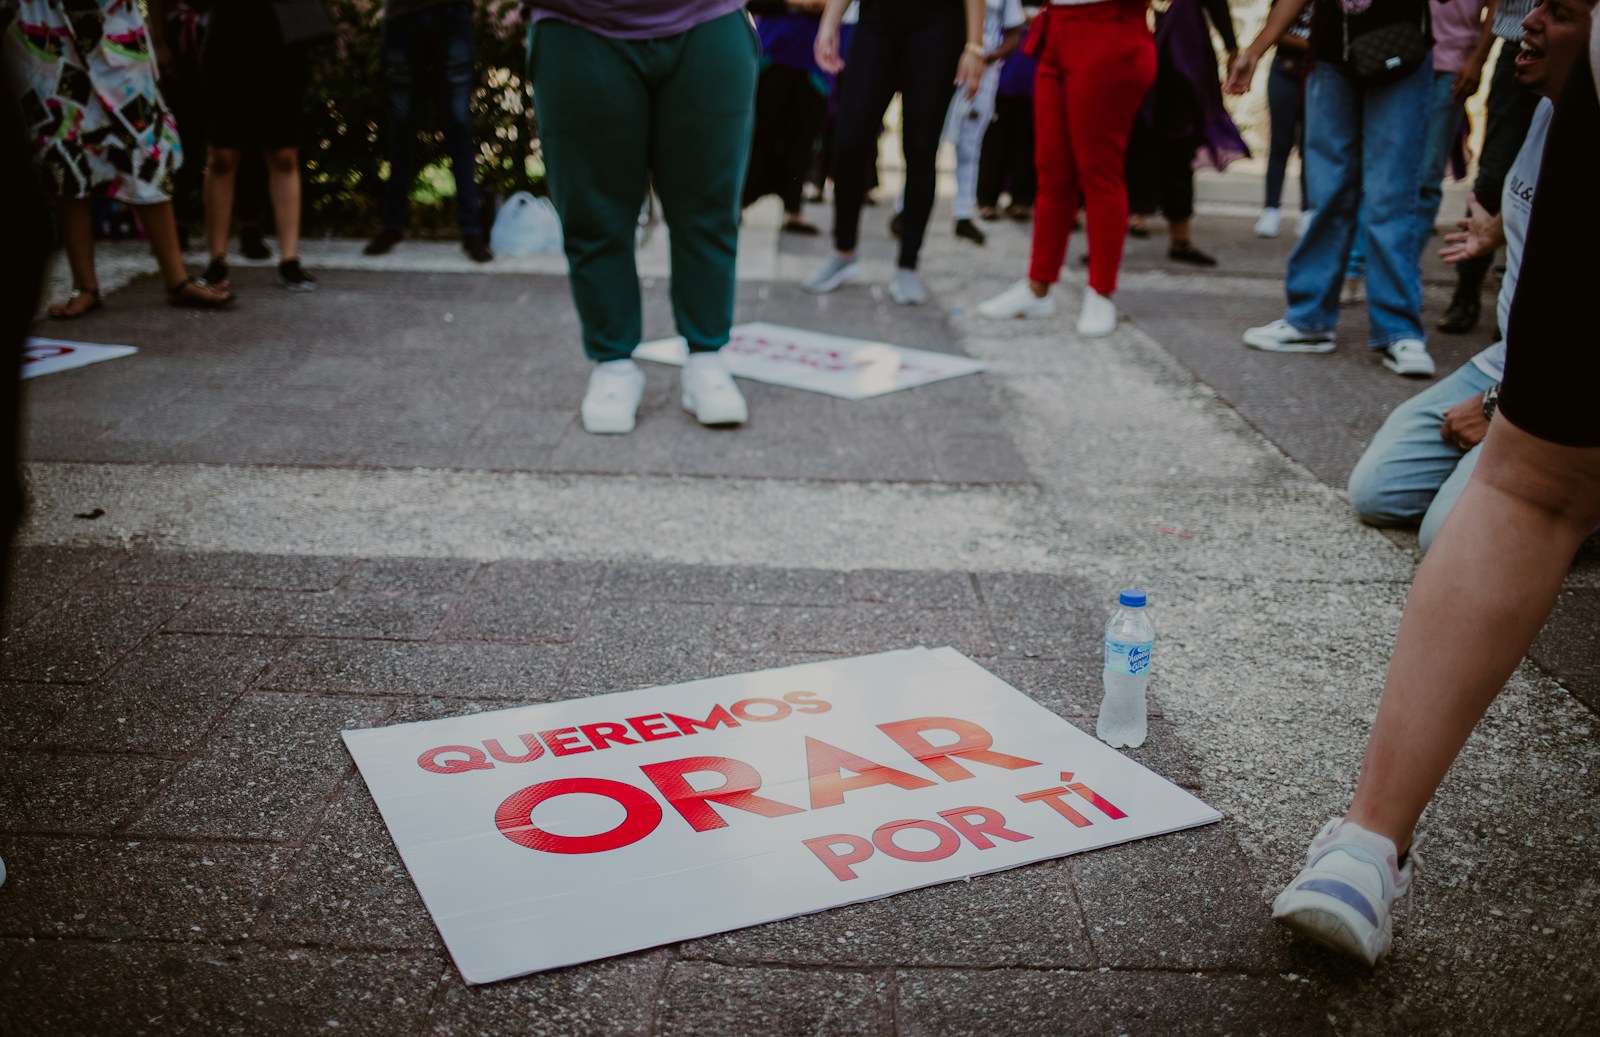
column 1130, row 658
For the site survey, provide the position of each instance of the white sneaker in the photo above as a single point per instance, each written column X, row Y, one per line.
column 906, row 288
column 1268, row 223
column 611, row 404
column 1282, row 337
column 832, row 274
column 709, row 393
column 1304, row 224
column 1098, row 318
column 1409, row 357
column 1354, row 292
column 1017, row 303
column 1344, row 896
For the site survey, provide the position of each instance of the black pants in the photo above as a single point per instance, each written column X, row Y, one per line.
column 1160, row 174
column 1508, row 112
column 1007, row 157
column 1552, row 354
column 789, row 114
column 916, row 55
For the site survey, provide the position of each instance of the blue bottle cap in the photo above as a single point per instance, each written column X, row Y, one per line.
column 1134, row 599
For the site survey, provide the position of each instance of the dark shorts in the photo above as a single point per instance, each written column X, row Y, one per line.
column 253, row 85
column 1552, row 351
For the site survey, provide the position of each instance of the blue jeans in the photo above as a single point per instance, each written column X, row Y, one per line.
column 1408, row 474
column 1444, row 121
column 1363, row 149
column 1286, row 111
column 447, row 28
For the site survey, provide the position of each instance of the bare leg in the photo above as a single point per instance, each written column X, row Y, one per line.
column 222, row 169
column 1484, row 590
column 162, row 227
column 283, row 183
column 1178, row 232
column 77, row 230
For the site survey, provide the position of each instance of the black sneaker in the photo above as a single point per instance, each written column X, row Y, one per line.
column 1462, row 314
column 217, row 272
column 896, row 223
column 476, row 248
column 293, row 276
column 251, row 243
column 384, row 242
column 969, row 230
column 1185, row 252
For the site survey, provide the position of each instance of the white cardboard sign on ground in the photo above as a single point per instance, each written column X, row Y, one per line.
column 554, row 834
column 49, row 355
column 849, row 368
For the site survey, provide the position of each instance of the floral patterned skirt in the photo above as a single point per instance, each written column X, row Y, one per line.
column 86, row 81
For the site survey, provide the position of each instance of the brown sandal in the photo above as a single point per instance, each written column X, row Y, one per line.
column 65, row 311
column 198, row 293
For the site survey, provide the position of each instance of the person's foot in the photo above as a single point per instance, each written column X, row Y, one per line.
column 897, row 223
column 1354, row 292
column 837, row 271
column 198, row 293
column 815, row 196
column 906, row 288
column 217, row 273
column 1304, row 223
column 709, row 392
column 79, row 302
column 383, row 242
column 611, row 403
column 1185, row 252
column 1344, row 897
column 476, row 246
column 1409, row 357
column 251, row 244
column 1098, row 318
column 293, row 276
column 988, row 213
column 1020, row 213
column 969, row 230
column 1461, row 316
column 1018, row 303
column 799, row 225
column 1269, row 223
column 1137, row 227
column 1282, row 337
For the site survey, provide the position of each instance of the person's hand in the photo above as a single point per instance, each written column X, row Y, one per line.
column 970, row 72
column 826, row 48
column 807, row 6
column 1467, row 82
column 1464, row 425
column 1477, row 235
column 1232, row 57
column 1241, row 70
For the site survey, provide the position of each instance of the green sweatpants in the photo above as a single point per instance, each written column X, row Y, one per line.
column 615, row 115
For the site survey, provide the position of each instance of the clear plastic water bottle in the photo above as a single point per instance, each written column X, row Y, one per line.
column 1130, row 634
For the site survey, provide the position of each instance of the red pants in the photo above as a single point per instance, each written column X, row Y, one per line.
column 1096, row 64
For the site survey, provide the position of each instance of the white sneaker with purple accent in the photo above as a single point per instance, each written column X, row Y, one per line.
column 1344, row 896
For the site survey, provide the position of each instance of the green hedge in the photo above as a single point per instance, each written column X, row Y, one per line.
column 347, row 114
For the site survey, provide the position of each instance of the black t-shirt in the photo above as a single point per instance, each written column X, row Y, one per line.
column 1328, row 23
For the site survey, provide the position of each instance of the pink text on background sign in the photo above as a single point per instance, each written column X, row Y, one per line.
column 808, row 356
column 653, row 727
column 827, row 784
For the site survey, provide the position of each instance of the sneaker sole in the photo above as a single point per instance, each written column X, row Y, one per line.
column 1096, row 332
column 1272, row 345
column 1332, row 924
column 601, row 427
column 1016, row 314
column 834, row 283
column 906, row 300
column 1408, row 372
column 714, row 419
column 298, row 289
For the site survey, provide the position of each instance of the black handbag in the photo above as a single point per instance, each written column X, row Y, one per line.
column 303, row 22
column 1388, row 53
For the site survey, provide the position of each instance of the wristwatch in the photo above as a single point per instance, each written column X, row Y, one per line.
column 1491, row 400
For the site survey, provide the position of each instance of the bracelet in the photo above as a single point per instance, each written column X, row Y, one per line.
column 974, row 49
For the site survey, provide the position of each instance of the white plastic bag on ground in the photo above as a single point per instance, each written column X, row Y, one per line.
column 526, row 226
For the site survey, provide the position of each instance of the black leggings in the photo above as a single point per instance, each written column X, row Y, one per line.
column 915, row 53
column 1007, row 156
column 789, row 114
column 1552, row 353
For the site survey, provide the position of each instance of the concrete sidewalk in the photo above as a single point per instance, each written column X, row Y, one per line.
column 373, row 504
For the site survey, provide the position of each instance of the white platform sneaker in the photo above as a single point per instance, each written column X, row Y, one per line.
column 1098, row 318
column 1017, row 303
column 611, row 404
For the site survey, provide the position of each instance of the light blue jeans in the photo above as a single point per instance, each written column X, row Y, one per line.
column 1444, row 122
column 1364, row 148
column 1408, row 474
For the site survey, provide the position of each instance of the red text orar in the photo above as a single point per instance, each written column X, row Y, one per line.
column 704, row 808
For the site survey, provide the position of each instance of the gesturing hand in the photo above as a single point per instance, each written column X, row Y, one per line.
column 1477, row 235
column 1243, row 70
